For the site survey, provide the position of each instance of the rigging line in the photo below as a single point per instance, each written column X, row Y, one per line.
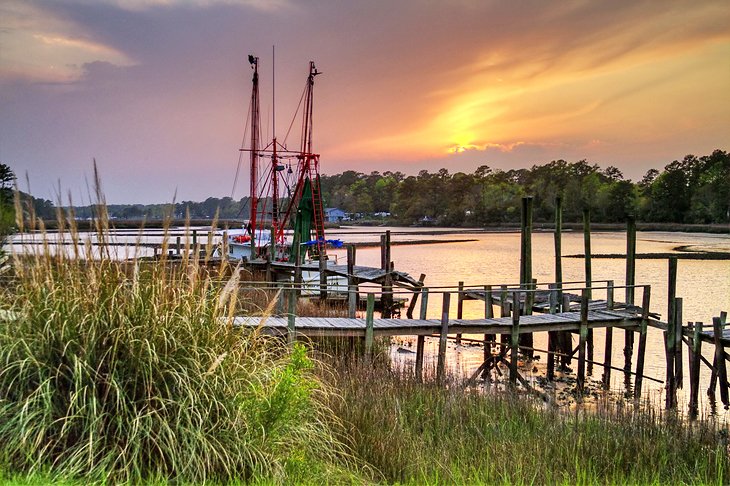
column 301, row 99
column 240, row 154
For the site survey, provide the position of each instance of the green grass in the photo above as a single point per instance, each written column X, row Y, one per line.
column 425, row 434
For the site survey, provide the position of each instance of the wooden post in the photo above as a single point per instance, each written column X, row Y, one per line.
column 630, row 281
column 565, row 339
column 558, row 243
column 488, row 314
column 552, row 335
column 421, row 340
column 720, row 360
column 694, row 370
column 583, row 333
column 351, row 285
column 386, row 297
column 460, row 309
column 414, row 299
column 292, row 315
column 322, row 275
column 670, row 335
column 642, row 341
column 298, row 269
column 504, row 310
column 388, row 258
column 526, row 268
column 178, row 246
column 281, row 301
column 441, row 366
column 678, row 364
column 515, row 337
column 713, row 374
column 224, row 249
column 369, row 320
column 195, row 244
column 608, row 349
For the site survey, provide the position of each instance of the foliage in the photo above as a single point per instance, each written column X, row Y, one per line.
column 131, row 371
column 7, row 212
column 695, row 190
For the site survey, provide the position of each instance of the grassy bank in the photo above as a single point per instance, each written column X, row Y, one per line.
column 425, row 434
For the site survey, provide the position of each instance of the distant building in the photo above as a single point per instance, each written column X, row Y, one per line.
column 334, row 215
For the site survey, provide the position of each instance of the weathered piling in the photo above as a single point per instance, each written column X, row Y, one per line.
column 488, row 314
column 670, row 335
column 630, row 281
column 352, row 296
column 386, row 299
column 526, row 339
column 588, row 279
column 695, row 356
column 460, row 308
column 421, row 340
column 583, row 335
column 322, row 275
column 514, row 337
column 369, row 322
column 608, row 349
column 558, row 236
column 642, row 341
column 443, row 339
column 552, row 335
column 292, row 314
column 720, row 365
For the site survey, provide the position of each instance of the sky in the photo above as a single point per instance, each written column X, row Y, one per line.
column 157, row 91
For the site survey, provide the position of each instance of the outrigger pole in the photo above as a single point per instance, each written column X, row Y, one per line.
column 255, row 135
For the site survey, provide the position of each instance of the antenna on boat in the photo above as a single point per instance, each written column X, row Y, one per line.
column 273, row 91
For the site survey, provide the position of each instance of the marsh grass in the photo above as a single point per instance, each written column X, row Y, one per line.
column 427, row 434
column 130, row 371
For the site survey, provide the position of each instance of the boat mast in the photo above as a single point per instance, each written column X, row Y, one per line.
column 255, row 135
column 274, row 167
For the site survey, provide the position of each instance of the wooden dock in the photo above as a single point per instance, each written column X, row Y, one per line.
column 347, row 327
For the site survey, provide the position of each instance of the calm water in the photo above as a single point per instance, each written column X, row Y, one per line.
column 493, row 259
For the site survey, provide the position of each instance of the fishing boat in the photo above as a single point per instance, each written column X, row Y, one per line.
column 286, row 218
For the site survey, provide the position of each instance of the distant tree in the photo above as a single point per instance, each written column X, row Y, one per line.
column 7, row 210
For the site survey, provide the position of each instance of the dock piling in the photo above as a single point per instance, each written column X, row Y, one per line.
column 369, row 323
column 695, row 355
column 583, row 335
column 515, row 337
column 443, row 341
column 421, row 340
column 642, row 341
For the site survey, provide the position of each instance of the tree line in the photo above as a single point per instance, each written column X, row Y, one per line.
column 694, row 190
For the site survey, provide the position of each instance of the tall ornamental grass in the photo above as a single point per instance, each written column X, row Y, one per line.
column 118, row 371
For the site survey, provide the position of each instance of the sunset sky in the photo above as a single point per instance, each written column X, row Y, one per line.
column 157, row 91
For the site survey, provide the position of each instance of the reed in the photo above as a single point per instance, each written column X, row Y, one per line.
column 130, row 371
column 427, row 434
